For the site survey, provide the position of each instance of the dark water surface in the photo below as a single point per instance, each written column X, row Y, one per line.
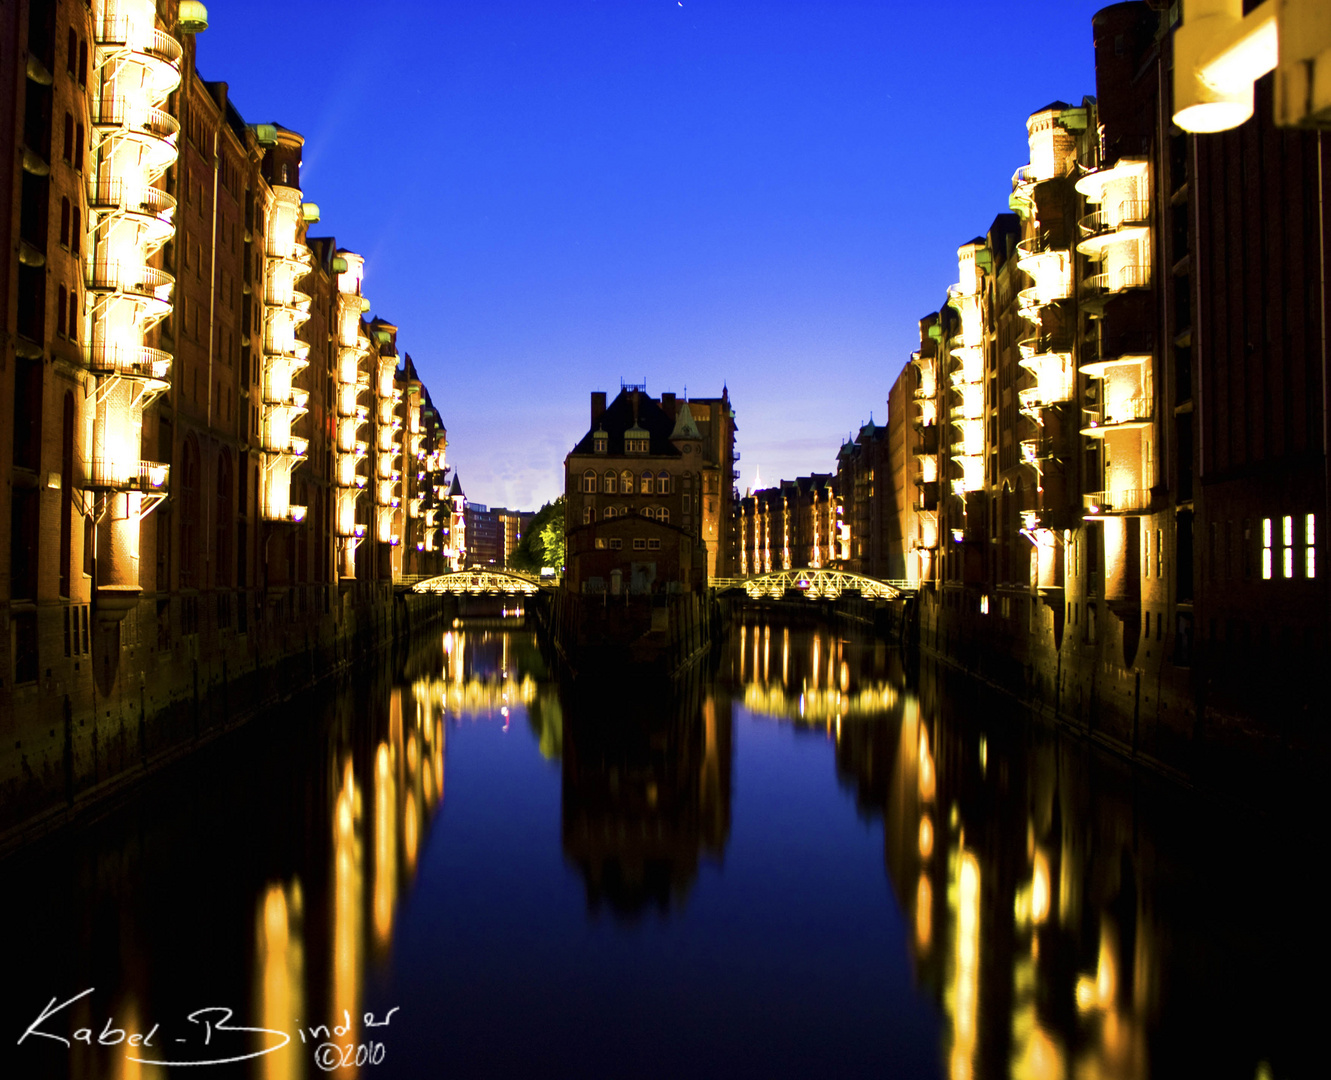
column 812, row 864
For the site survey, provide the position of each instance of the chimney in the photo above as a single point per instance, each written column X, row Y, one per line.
column 668, row 405
column 598, row 406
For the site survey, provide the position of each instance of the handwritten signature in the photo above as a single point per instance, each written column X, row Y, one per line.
column 214, row 1023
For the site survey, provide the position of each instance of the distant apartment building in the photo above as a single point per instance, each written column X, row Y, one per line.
column 791, row 526
column 485, row 533
column 649, row 495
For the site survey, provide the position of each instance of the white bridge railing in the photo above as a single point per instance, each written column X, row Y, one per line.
column 816, row 584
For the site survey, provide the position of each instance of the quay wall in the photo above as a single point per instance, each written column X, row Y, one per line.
column 1129, row 694
column 96, row 724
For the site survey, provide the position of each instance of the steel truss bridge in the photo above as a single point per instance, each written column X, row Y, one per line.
column 481, row 583
column 815, row 584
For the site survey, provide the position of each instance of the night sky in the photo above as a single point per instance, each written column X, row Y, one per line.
column 553, row 196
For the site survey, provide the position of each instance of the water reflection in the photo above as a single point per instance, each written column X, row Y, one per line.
column 1064, row 917
column 646, row 793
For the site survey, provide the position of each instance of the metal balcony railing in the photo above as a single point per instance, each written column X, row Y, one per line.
column 112, row 194
column 105, row 474
column 127, row 361
column 1132, row 276
column 116, row 114
column 114, row 33
column 130, row 279
column 1118, row 501
column 1129, row 212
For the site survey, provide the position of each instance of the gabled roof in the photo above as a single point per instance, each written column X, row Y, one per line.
column 618, row 418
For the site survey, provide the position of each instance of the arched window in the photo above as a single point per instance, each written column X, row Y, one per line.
column 647, row 512
column 589, row 482
column 663, row 483
column 64, row 221
column 610, row 483
column 74, row 312
column 609, row 512
column 663, row 516
column 69, row 138
column 60, row 310
column 626, row 482
column 588, row 515
column 76, row 231
column 646, row 487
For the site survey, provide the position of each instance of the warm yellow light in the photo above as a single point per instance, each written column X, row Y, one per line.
column 926, row 837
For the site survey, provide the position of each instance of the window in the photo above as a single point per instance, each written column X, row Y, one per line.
column 626, row 482
column 74, row 312
column 78, row 148
column 639, row 544
column 69, row 138
column 609, row 488
column 653, row 545
column 601, row 444
column 1159, row 553
column 663, row 483
column 72, row 59
column 616, row 543
column 76, row 231
column 663, row 515
column 647, row 512
column 1266, row 549
column 1310, row 546
column 1287, row 548
column 600, row 542
column 608, row 513
column 589, row 482
column 83, row 63
column 646, row 485
column 588, row 515
column 60, row 309
column 64, row 222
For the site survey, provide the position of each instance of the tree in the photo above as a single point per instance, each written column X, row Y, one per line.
column 542, row 545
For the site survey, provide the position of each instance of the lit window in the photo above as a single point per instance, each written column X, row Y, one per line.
column 984, row 605
column 626, row 482
column 1266, row 549
column 1159, row 553
column 1287, row 548
column 600, row 542
column 646, row 487
column 1310, row 546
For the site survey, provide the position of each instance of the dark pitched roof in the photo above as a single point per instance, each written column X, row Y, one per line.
column 618, row 418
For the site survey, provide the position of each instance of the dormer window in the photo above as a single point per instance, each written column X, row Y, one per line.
column 600, row 441
column 637, row 441
column 602, row 445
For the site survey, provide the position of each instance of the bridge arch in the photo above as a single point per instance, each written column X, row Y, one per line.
column 481, row 583
column 817, row 583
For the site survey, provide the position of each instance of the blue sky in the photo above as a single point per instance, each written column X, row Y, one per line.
column 553, row 196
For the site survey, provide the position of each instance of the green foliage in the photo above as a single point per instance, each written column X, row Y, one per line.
column 542, row 545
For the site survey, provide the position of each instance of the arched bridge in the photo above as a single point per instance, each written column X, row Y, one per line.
column 815, row 583
column 481, row 583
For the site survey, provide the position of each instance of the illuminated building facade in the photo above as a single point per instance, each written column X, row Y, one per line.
column 192, row 391
column 793, row 525
column 649, row 497
column 862, row 465
column 1119, row 415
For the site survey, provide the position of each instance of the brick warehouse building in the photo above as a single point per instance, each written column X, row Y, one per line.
column 649, row 495
column 216, row 461
column 1117, row 424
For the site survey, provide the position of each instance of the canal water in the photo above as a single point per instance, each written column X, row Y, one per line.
column 817, row 860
